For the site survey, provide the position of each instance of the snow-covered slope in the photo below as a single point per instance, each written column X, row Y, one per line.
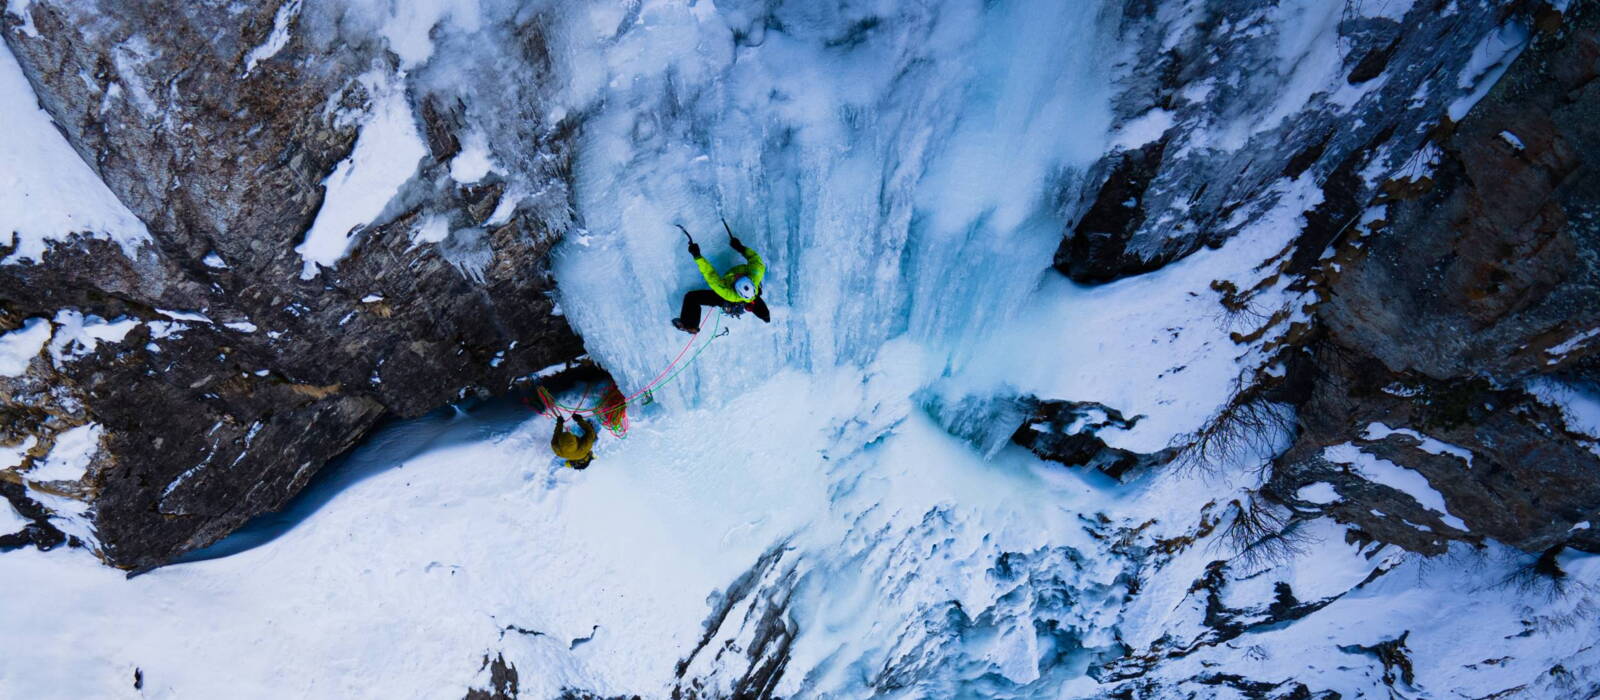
column 837, row 531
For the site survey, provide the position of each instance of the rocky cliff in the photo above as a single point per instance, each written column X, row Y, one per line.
column 1446, row 269
column 1465, row 314
column 243, row 367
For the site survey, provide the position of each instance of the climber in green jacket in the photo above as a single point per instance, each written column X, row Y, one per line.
column 736, row 291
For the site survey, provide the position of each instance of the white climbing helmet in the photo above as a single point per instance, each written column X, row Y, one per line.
column 745, row 287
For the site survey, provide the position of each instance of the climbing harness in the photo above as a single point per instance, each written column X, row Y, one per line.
column 606, row 409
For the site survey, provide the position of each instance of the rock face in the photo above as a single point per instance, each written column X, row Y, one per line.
column 1452, row 262
column 248, row 367
column 1466, row 320
column 1230, row 108
column 745, row 648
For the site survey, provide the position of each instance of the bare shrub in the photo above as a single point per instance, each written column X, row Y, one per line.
column 1261, row 532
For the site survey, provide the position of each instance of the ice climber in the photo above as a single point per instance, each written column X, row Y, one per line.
column 577, row 450
column 736, row 291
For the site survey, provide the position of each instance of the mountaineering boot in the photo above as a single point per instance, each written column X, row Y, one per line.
column 678, row 324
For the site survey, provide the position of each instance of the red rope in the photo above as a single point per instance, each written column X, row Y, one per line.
column 604, row 409
column 550, row 406
column 647, row 387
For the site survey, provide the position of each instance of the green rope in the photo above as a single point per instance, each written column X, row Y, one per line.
column 652, row 386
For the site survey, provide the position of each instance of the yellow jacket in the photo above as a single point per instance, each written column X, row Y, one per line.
column 573, row 448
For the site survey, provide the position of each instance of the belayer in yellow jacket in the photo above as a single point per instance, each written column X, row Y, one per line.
column 577, row 450
column 736, row 291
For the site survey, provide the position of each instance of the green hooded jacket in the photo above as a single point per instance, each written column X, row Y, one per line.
column 723, row 284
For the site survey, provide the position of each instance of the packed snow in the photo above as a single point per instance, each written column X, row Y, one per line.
column 432, row 229
column 1579, row 405
column 10, row 520
column 1147, row 128
column 630, row 551
column 1490, row 59
column 277, row 39
column 47, row 193
column 13, row 455
column 1559, row 351
column 77, row 335
column 603, row 579
column 475, row 161
column 19, row 347
column 1321, row 493
column 1379, row 431
column 1382, row 471
column 19, row 9
column 386, row 154
column 69, row 457
column 1154, row 345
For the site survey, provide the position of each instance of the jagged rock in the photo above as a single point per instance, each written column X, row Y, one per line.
column 38, row 532
column 1495, row 264
column 1216, row 124
column 502, row 680
column 1097, row 250
column 1219, row 624
column 1067, row 432
column 753, row 631
column 222, row 154
column 1481, row 279
column 1393, row 654
column 1518, row 476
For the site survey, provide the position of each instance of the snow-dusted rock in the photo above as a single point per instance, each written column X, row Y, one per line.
column 266, row 165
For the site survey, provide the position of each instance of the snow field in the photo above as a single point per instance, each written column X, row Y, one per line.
column 459, row 527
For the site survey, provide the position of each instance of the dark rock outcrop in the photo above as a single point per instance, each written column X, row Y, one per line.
column 243, row 377
column 502, row 680
column 1478, row 292
column 1067, row 432
column 745, row 647
column 1220, row 117
column 1097, row 250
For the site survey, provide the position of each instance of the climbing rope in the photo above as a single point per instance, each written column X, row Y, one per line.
column 617, row 427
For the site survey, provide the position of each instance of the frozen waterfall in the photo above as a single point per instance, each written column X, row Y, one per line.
column 904, row 168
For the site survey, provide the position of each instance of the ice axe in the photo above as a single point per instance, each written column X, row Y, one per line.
column 693, row 249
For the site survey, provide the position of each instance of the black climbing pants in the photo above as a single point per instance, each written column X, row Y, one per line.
column 690, row 313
